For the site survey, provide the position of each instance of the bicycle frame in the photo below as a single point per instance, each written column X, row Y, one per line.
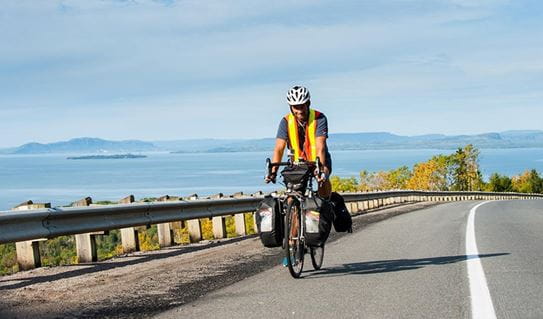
column 308, row 192
column 296, row 194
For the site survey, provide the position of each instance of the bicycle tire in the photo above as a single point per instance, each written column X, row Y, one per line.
column 294, row 247
column 317, row 256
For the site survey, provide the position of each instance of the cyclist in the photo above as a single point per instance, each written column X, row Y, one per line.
column 304, row 130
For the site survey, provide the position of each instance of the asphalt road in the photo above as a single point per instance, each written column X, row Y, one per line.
column 410, row 266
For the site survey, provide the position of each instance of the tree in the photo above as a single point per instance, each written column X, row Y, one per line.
column 344, row 184
column 499, row 183
column 383, row 180
column 371, row 181
column 397, row 178
column 465, row 169
column 528, row 182
column 430, row 175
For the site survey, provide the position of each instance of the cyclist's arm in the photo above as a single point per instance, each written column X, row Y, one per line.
column 278, row 151
column 321, row 152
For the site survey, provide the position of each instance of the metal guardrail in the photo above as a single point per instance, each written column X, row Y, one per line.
column 54, row 222
column 16, row 226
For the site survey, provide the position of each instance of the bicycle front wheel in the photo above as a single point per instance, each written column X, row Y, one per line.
column 294, row 247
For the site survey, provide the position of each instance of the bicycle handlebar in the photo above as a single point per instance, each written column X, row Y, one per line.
column 316, row 163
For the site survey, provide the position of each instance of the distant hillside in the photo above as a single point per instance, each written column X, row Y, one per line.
column 509, row 139
column 85, row 145
column 339, row 141
column 384, row 140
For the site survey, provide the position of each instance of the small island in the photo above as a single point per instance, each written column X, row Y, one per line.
column 117, row 156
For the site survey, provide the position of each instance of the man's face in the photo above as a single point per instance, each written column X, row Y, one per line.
column 300, row 111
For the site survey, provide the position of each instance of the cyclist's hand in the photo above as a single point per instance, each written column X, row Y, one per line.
column 323, row 176
column 270, row 178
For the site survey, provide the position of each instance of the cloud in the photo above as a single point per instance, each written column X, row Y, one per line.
column 110, row 61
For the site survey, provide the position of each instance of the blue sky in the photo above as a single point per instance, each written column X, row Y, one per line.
column 188, row 69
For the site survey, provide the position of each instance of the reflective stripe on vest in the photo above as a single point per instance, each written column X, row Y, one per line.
column 310, row 143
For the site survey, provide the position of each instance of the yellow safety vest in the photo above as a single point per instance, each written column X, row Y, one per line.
column 309, row 153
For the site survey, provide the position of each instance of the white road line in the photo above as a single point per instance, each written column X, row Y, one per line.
column 481, row 302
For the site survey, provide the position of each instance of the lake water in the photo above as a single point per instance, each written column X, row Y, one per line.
column 53, row 178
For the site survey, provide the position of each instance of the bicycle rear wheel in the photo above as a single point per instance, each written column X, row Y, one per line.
column 317, row 256
column 294, row 247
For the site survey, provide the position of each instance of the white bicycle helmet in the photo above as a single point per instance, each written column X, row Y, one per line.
column 297, row 95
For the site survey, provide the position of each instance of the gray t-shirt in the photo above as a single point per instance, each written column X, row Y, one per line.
column 322, row 130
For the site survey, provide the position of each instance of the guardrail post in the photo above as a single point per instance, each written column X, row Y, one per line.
column 195, row 230
column 192, row 197
column 219, row 227
column 129, row 235
column 28, row 252
column 239, row 219
column 240, row 224
column 165, row 231
column 193, row 225
column 86, row 243
column 354, row 207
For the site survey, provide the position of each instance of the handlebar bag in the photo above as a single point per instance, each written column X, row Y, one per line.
column 342, row 220
column 318, row 221
column 269, row 223
column 296, row 176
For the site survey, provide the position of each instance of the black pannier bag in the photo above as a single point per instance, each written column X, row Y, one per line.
column 342, row 220
column 318, row 221
column 269, row 223
column 296, row 176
